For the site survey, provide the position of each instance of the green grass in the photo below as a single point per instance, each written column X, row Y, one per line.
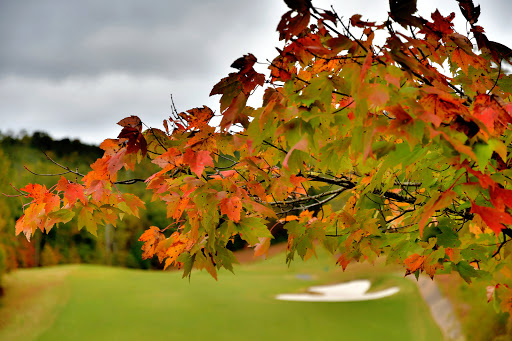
column 101, row 303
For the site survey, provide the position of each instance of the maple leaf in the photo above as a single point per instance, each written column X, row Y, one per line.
column 169, row 158
column 173, row 248
column 441, row 200
column 262, row 247
column 85, row 218
column 35, row 191
column 469, row 11
column 299, row 5
column 291, row 26
column 232, row 207
column 500, row 197
column 133, row 204
column 197, row 117
column 441, row 25
column 151, row 238
column 344, row 261
column 198, row 161
column 492, row 217
column 492, row 113
column 131, row 122
column 414, row 262
column 402, row 11
column 72, row 192
column 244, row 64
column 135, row 140
column 301, row 145
column 111, row 146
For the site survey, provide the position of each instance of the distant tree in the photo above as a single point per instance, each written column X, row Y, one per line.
column 373, row 139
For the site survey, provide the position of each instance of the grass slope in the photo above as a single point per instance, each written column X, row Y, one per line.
column 119, row 304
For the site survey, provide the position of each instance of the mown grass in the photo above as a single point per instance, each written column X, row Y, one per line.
column 104, row 303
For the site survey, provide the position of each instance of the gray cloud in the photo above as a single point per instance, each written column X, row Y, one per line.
column 75, row 68
column 56, row 39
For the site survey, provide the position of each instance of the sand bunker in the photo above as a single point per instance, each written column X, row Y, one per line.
column 343, row 292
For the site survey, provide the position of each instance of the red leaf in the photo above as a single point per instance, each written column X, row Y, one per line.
column 298, row 5
column 500, row 197
column 233, row 113
column 170, row 157
column 492, row 112
column 292, row 26
column 492, row 217
column 116, row 162
column 131, row 122
column 136, row 140
column 72, row 191
column 244, row 63
column 442, row 25
column 402, row 11
column 198, row 161
column 469, row 11
column 485, row 180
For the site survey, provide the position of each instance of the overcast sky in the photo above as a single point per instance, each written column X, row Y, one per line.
column 75, row 68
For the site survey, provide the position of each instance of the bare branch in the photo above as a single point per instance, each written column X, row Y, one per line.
column 38, row 174
column 61, row 166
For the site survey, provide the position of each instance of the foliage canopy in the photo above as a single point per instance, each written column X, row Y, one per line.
column 399, row 148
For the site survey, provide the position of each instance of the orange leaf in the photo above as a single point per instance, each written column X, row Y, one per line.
column 414, row 262
column 231, row 206
column 151, row 238
column 197, row 117
column 262, row 247
column 174, row 246
column 344, row 261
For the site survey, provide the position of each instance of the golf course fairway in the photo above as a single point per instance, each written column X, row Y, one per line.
column 88, row 302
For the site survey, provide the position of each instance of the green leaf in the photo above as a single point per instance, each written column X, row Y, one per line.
column 448, row 236
column 85, row 218
column 318, row 91
column 251, row 228
column 466, row 271
column 61, row 216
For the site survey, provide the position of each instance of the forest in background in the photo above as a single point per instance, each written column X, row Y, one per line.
column 117, row 246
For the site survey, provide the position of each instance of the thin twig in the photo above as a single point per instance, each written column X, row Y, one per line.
column 38, row 174
column 61, row 166
column 308, row 198
column 497, row 78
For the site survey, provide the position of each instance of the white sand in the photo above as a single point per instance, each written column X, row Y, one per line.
column 344, row 292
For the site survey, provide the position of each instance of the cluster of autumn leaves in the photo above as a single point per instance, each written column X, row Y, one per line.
column 364, row 149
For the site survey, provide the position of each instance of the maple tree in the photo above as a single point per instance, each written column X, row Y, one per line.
column 399, row 148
